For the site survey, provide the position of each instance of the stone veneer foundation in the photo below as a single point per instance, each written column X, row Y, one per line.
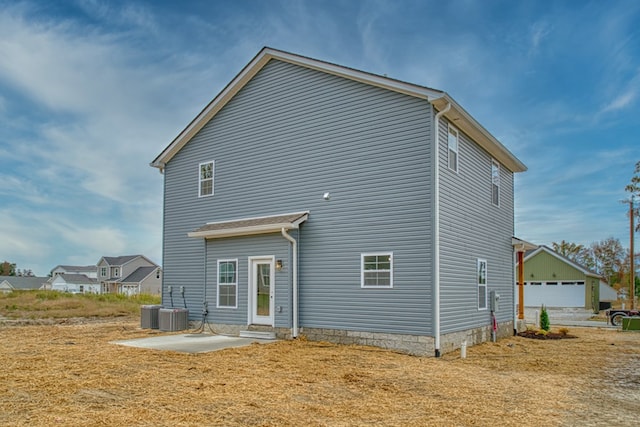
column 416, row 345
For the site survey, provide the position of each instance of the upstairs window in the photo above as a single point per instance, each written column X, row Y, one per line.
column 495, row 183
column 377, row 270
column 206, row 179
column 103, row 271
column 482, row 284
column 452, row 155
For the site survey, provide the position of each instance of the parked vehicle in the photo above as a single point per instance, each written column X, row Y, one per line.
column 614, row 316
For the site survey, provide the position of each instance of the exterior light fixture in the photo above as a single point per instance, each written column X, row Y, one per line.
column 279, row 265
column 326, row 196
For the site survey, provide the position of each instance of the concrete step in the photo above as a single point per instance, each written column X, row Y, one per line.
column 258, row 335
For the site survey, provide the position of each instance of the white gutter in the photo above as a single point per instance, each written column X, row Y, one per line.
column 436, row 234
column 294, row 273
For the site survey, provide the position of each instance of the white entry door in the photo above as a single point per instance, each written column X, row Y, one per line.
column 261, row 292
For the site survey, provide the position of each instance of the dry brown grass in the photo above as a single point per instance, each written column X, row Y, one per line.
column 71, row 375
column 57, row 305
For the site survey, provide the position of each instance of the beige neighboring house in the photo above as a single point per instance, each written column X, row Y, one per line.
column 129, row 274
column 13, row 283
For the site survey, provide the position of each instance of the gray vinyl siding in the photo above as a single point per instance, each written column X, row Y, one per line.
column 287, row 137
column 241, row 248
column 472, row 227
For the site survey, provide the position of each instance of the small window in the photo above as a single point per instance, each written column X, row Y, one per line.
column 580, row 283
column 453, row 149
column 495, row 183
column 536, row 283
column 568, row 283
column 206, row 179
column 103, row 271
column 377, row 270
column 482, row 284
column 552, row 283
column 228, row 283
column 115, row 272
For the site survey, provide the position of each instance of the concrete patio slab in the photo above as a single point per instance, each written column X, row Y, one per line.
column 191, row 343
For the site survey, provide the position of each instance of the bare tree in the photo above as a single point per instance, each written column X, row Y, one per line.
column 609, row 257
column 575, row 252
column 634, row 189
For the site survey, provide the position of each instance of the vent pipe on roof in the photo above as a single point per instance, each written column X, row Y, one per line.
column 436, row 233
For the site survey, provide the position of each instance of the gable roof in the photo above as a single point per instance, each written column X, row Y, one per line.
column 117, row 261
column 77, row 279
column 250, row 226
column 139, row 275
column 81, row 268
column 562, row 258
column 24, row 282
column 439, row 99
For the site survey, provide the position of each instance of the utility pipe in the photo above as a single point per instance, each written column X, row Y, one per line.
column 294, row 272
column 436, row 233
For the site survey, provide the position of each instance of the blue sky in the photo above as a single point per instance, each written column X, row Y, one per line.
column 91, row 91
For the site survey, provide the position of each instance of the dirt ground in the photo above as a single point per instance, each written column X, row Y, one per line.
column 71, row 375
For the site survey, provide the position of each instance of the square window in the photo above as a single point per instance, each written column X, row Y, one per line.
column 228, row 283
column 205, row 178
column 376, row 270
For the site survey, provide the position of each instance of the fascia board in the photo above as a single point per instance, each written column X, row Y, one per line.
column 243, row 231
column 465, row 122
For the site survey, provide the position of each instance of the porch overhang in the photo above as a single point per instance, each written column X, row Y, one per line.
column 250, row 226
column 520, row 245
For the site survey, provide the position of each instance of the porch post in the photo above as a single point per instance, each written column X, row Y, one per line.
column 520, row 285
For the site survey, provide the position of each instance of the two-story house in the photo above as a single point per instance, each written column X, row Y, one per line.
column 314, row 199
column 129, row 274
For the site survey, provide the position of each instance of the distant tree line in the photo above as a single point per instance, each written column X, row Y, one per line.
column 9, row 269
column 607, row 258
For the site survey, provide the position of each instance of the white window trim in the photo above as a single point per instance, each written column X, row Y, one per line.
column 362, row 270
column 497, row 184
column 218, row 284
column 453, row 130
column 480, row 285
column 213, row 176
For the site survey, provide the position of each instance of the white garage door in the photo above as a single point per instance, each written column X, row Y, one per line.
column 554, row 294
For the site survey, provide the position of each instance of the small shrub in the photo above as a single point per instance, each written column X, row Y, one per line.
column 563, row 331
column 544, row 319
column 543, row 332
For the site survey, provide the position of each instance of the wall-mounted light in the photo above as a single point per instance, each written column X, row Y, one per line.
column 279, row 265
column 531, row 274
column 326, row 196
column 554, row 274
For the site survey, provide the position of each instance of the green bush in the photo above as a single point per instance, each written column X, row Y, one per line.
column 545, row 325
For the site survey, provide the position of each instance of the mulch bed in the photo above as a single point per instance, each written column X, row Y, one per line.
column 530, row 333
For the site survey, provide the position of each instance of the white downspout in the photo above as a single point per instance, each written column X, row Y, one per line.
column 294, row 273
column 436, row 234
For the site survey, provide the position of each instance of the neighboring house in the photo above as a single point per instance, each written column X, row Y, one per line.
column 75, row 283
column 144, row 280
column 313, row 199
column 130, row 274
column 607, row 293
column 87, row 270
column 12, row 283
column 556, row 281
